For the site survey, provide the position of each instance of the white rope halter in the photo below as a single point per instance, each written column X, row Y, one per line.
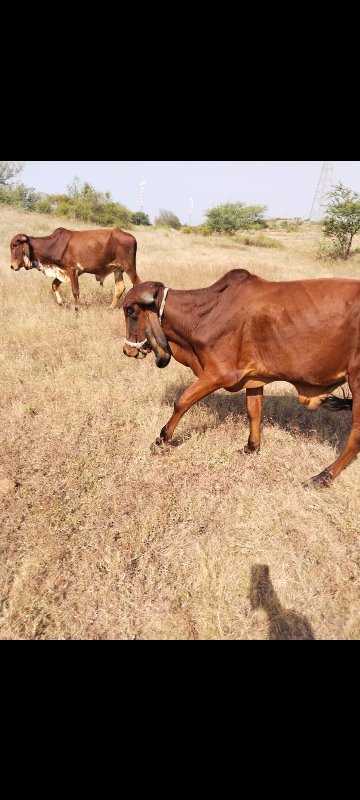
column 140, row 345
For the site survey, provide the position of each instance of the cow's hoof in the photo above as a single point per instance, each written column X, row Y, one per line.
column 159, row 447
column 321, row 481
column 249, row 450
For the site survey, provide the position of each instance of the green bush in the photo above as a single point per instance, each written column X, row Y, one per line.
column 19, row 196
column 291, row 225
column 139, row 218
column 189, row 229
column 232, row 217
column 167, row 219
column 262, row 241
column 83, row 202
column 342, row 220
column 327, row 251
column 198, row 230
column 43, row 206
column 288, row 225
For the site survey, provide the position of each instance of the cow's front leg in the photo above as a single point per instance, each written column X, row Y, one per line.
column 55, row 287
column 202, row 388
column 254, row 408
column 75, row 287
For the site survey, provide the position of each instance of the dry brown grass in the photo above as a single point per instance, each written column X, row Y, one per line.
column 100, row 539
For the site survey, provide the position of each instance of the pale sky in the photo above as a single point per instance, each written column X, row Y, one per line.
column 287, row 188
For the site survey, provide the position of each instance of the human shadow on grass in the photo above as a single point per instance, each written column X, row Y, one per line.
column 283, row 624
column 283, row 410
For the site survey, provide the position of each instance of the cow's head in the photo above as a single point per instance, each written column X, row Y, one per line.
column 20, row 252
column 143, row 330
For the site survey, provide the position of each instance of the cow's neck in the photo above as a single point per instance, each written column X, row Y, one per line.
column 41, row 251
column 176, row 322
column 182, row 313
column 183, row 309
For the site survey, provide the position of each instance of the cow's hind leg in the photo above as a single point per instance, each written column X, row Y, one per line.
column 75, row 288
column 130, row 266
column 55, row 287
column 131, row 272
column 352, row 447
column 119, row 288
column 254, row 408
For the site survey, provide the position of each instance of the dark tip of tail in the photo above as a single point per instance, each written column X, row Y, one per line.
column 337, row 404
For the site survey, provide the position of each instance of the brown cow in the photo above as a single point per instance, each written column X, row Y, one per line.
column 65, row 254
column 245, row 332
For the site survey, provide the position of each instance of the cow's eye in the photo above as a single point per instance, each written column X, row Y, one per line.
column 130, row 312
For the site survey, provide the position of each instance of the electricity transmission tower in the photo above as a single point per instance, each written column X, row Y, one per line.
column 323, row 187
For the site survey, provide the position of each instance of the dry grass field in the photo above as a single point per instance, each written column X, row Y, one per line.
column 100, row 539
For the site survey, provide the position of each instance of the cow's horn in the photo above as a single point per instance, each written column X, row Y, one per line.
column 23, row 238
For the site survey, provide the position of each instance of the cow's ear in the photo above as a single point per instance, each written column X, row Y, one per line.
column 148, row 297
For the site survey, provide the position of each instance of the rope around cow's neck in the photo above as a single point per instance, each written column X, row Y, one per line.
column 161, row 312
column 139, row 345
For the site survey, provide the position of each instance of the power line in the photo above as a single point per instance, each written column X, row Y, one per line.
column 325, row 181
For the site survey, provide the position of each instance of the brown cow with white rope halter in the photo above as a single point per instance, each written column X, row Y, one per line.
column 243, row 333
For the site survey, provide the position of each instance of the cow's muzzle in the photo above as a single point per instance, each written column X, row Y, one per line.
column 136, row 349
column 163, row 360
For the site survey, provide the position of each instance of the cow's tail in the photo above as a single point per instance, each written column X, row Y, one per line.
column 334, row 403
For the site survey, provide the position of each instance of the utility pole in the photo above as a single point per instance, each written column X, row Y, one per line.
column 322, row 189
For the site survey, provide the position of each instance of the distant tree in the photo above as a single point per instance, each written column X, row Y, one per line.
column 74, row 189
column 167, row 219
column 232, row 217
column 9, row 170
column 342, row 220
column 86, row 203
column 139, row 218
column 19, row 196
column 44, row 205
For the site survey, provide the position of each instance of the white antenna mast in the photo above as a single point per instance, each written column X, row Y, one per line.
column 142, row 193
column 190, row 210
